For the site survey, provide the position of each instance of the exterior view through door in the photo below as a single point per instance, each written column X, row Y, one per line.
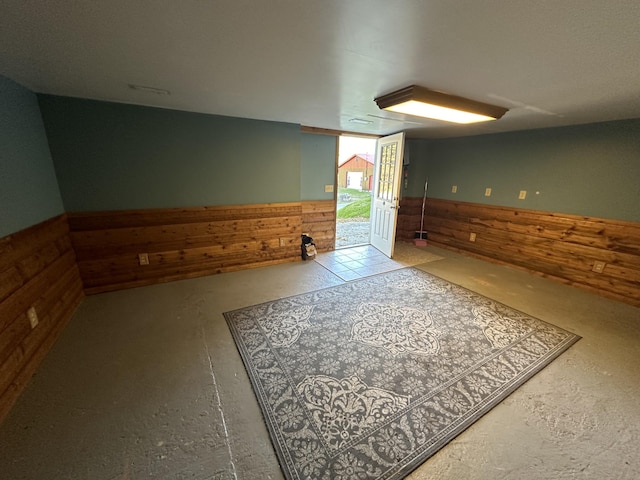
column 368, row 180
column 356, row 159
column 386, row 192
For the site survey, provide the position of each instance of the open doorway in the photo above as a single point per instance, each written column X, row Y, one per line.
column 356, row 158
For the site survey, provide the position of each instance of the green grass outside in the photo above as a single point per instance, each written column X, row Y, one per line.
column 358, row 209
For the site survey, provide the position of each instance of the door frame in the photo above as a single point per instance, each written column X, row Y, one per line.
column 363, row 136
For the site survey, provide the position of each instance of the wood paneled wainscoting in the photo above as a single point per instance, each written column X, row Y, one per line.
column 181, row 243
column 408, row 218
column 38, row 272
column 559, row 246
column 319, row 222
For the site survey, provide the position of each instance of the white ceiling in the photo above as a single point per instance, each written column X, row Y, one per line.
column 321, row 63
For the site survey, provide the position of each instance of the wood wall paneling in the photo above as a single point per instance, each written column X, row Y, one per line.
column 408, row 218
column 181, row 242
column 558, row 246
column 37, row 269
column 319, row 222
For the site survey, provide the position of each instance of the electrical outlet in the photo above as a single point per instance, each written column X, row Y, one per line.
column 487, row 192
column 33, row 317
column 454, row 188
column 598, row 266
column 283, row 242
column 472, row 237
column 523, row 194
column 328, row 188
column 143, row 258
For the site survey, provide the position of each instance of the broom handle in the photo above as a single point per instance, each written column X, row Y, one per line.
column 424, row 201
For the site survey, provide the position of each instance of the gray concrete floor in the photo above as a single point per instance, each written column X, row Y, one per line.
column 147, row 383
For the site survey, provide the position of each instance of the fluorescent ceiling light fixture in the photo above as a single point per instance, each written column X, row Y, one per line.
column 422, row 102
column 142, row 88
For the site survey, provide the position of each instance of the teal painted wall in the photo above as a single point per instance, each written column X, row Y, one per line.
column 111, row 156
column 417, row 153
column 591, row 170
column 28, row 188
column 317, row 165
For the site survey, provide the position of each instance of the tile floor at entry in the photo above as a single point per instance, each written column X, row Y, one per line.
column 365, row 260
column 147, row 383
column 357, row 262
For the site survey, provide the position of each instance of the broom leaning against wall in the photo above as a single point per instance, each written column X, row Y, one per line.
column 421, row 235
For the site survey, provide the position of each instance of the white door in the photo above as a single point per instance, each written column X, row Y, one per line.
column 354, row 180
column 386, row 192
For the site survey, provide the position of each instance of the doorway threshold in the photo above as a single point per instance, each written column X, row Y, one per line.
column 346, row 247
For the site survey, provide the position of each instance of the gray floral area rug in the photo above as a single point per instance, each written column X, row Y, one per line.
column 370, row 378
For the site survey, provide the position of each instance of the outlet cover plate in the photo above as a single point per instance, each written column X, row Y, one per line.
column 33, row 317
